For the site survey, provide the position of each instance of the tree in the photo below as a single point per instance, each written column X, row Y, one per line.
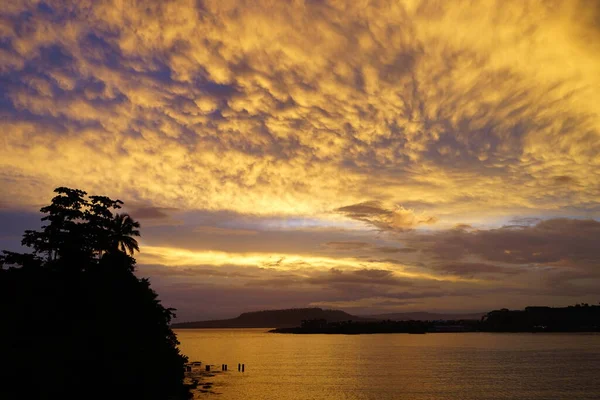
column 75, row 227
column 61, row 234
column 123, row 228
column 76, row 321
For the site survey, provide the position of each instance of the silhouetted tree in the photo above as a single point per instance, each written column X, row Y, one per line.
column 76, row 322
column 578, row 318
column 123, row 228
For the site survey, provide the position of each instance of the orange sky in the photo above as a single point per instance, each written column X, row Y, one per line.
column 368, row 155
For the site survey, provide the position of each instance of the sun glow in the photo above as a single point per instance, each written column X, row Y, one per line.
column 175, row 257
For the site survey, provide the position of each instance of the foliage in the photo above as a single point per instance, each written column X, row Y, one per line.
column 76, row 321
column 579, row 318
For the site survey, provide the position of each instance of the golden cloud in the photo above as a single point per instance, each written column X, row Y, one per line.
column 213, row 230
column 386, row 218
column 177, row 257
column 299, row 108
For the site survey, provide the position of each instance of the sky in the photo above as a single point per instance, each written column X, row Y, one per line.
column 374, row 156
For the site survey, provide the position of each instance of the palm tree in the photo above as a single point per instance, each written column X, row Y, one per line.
column 123, row 228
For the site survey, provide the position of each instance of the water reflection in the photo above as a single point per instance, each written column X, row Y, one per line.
column 415, row 367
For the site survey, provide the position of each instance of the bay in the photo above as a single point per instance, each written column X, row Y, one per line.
column 466, row 366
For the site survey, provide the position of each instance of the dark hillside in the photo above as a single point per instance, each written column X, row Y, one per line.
column 273, row 318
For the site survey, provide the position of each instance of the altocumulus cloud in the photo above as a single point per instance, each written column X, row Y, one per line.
column 304, row 106
column 395, row 116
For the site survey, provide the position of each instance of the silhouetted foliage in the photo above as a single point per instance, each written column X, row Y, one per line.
column 124, row 227
column 577, row 318
column 76, row 321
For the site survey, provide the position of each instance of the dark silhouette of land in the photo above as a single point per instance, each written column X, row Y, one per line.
column 578, row 318
column 76, row 322
column 272, row 318
column 290, row 318
column 426, row 316
column 350, row 327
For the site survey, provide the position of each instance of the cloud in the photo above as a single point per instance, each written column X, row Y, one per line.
column 365, row 305
column 559, row 241
column 179, row 257
column 349, row 245
column 150, row 212
column 186, row 104
column 565, row 180
column 392, row 219
column 553, row 257
column 363, row 276
column 272, row 128
column 389, row 249
column 472, row 269
column 460, row 269
column 213, row 230
column 160, row 270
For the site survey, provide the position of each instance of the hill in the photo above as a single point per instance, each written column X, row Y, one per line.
column 273, row 318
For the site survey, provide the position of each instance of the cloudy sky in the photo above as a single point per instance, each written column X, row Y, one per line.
column 368, row 155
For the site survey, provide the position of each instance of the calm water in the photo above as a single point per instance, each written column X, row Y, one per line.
column 398, row 366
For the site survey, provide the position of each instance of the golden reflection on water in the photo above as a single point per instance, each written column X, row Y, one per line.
column 415, row 367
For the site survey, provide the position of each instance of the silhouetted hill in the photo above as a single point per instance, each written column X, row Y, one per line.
column 273, row 318
column 426, row 316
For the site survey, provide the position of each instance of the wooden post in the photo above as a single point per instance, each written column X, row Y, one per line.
column 208, row 368
column 243, row 366
column 239, row 367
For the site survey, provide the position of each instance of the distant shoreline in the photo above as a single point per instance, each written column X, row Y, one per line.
column 291, row 332
column 291, row 318
column 581, row 318
column 270, row 329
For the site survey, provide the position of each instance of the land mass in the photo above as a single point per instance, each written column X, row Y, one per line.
column 273, row 318
column 425, row 316
column 578, row 318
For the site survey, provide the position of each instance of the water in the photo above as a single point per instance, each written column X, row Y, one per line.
column 466, row 366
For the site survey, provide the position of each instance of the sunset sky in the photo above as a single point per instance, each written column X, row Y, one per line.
column 374, row 156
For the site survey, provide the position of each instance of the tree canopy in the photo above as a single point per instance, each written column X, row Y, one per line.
column 76, row 321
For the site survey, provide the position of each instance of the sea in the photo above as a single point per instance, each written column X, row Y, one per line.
column 433, row 366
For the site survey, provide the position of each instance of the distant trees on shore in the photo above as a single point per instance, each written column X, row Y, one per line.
column 76, row 322
column 578, row 318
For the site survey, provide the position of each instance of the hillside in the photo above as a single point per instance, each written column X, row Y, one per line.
column 273, row 318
